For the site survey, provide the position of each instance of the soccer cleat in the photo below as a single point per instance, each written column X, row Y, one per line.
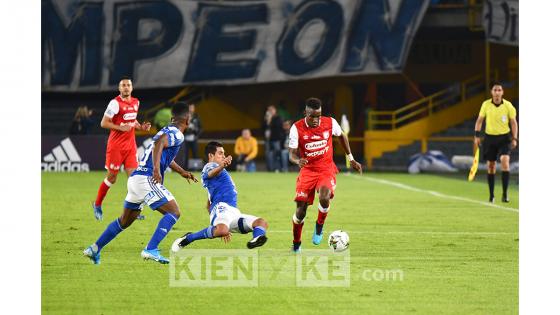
column 154, row 255
column 491, row 200
column 296, row 248
column 92, row 254
column 97, row 212
column 317, row 238
column 180, row 243
column 257, row 241
column 505, row 198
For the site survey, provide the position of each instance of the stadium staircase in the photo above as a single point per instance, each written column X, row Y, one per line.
column 411, row 126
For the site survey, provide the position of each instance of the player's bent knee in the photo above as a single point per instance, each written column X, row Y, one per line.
column 112, row 178
column 221, row 230
column 260, row 222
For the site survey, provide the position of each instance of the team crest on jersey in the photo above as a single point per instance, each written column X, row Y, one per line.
column 136, row 107
column 325, row 134
column 315, row 137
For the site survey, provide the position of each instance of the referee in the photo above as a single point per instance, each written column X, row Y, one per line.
column 500, row 139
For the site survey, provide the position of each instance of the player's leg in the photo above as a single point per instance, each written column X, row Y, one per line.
column 490, row 154
column 491, row 178
column 221, row 217
column 298, row 220
column 305, row 194
column 325, row 194
column 130, row 165
column 504, row 161
column 327, row 185
column 113, row 161
column 113, row 229
column 245, row 223
column 259, row 227
column 164, row 202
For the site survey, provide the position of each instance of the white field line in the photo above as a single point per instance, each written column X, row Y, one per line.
column 401, row 232
column 431, row 192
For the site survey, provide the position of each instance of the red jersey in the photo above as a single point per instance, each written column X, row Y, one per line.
column 122, row 113
column 315, row 144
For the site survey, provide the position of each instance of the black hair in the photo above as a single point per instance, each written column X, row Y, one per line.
column 212, row 146
column 125, row 78
column 179, row 109
column 494, row 83
column 313, row 103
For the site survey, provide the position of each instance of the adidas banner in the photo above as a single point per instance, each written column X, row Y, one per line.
column 80, row 153
column 90, row 45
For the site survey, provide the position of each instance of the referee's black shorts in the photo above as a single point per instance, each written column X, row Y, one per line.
column 495, row 146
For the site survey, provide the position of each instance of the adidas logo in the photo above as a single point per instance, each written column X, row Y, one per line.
column 64, row 158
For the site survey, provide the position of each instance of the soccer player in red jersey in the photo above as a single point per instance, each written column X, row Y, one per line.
column 312, row 137
column 120, row 119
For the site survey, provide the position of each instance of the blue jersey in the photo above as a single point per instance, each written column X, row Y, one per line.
column 220, row 187
column 174, row 140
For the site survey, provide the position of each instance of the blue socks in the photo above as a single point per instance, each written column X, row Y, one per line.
column 202, row 234
column 164, row 226
column 258, row 231
column 112, row 230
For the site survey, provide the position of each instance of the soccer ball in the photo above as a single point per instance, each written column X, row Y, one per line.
column 339, row 241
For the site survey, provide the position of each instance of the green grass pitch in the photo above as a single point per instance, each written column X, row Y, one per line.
column 456, row 256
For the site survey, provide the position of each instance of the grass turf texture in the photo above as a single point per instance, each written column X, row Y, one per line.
column 456, row 257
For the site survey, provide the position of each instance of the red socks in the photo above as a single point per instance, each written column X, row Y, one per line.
column 297, row 228
column 322, row 214
column 102, row 192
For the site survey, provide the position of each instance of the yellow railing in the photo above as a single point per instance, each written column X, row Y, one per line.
column 426, row 106
column 475, row 15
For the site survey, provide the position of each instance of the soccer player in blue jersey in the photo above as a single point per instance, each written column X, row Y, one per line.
column 224, row 215
column 145, row 186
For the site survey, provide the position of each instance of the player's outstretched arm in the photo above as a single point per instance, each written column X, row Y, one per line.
column 343, row 139
column 159, row 145
column 225, row 163
column 185, row 174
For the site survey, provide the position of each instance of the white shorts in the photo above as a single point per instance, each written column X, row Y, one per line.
column 143, row 190
column 238, row 222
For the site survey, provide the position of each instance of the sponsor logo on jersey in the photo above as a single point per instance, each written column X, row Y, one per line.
column 326, row 134
column 305, row 137
column 316, row 145
column 129, row 116
column 317, row 153
column 64, row 158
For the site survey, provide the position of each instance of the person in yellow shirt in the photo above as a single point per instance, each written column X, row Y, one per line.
column 246, row 150
column 501, row 136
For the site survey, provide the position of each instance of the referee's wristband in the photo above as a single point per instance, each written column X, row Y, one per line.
column 350, row 157
column 477, row 133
